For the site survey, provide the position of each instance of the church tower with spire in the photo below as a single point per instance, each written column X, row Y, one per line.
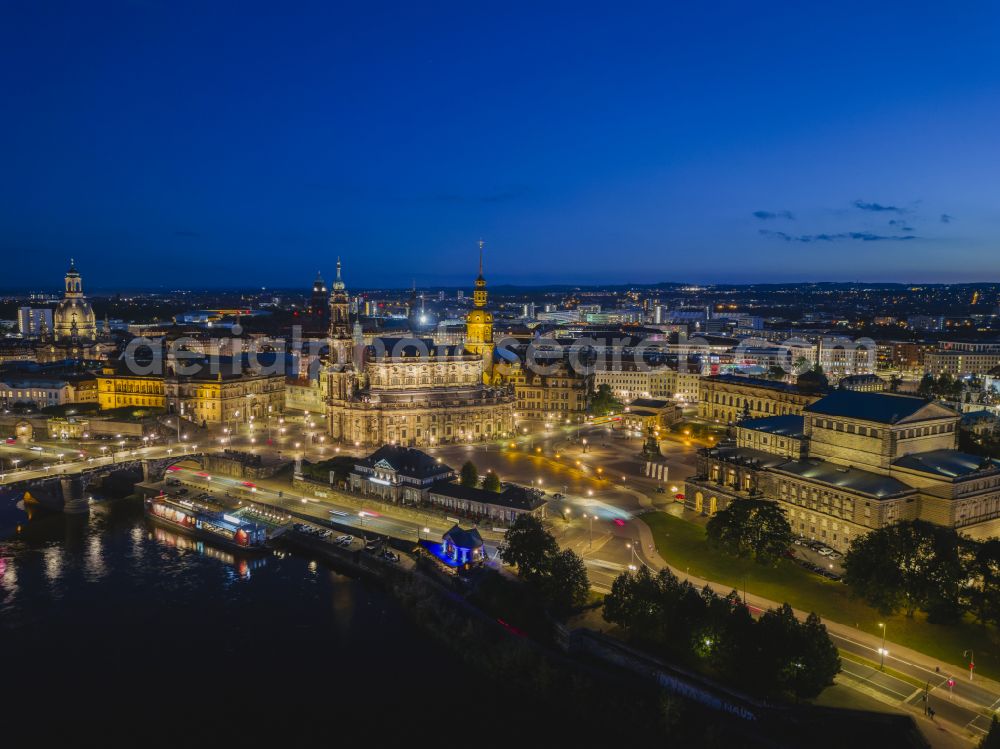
column 479, row 324
column 340, row 317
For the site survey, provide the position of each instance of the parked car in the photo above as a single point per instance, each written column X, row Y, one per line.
column 390, row 556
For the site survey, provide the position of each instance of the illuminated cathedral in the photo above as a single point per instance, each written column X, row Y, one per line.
column 73, row 320
column 409, row 391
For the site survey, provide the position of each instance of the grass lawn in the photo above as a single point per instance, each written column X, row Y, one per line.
column 682, row 544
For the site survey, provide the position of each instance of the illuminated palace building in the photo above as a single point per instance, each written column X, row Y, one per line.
column 853, row 462
column 408, row 391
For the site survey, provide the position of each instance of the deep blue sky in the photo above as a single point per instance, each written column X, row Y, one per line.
column 243, row 143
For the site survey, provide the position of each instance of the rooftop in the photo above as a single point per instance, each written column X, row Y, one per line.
column 846, row 477
column 652, row 403
column 884, row 408
column 747, row 456
column 464, row 538
column 424, row 348
column 786, row 426
column 946, row 463
column 758, row 382
column 407, row 461
column 513, row 497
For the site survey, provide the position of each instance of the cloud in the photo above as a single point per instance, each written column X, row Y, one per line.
column 877, row 207
column 901, row 224
column 767, row 215
column 859, row 236
column 946, row 219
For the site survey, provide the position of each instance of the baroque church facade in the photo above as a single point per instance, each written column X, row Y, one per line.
column 409, row 391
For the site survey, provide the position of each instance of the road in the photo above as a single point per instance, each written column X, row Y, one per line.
column 88, row 462
column 967, row 704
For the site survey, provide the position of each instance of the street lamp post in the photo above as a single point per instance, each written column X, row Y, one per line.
column 631, row 545
column 882, row 651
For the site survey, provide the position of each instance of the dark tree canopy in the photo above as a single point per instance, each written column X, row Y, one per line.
column 566, row 584
column 777, row 654
column 491, row 482
column 558, row 577
column 469, row 474
column 754, row 528
column 529, row 546
column 913, row 565
column 604, row 401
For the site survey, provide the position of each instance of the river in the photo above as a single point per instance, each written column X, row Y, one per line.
column 124, row 626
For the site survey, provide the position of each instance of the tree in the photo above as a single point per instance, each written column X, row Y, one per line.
column 469, row 474
column 992, row 739
column 926, row 386
column 604, row 401
column 984, row 595
column 776, row 372
column 777, row 654
column 801, row 365
column 491, row 482
column 813, row 381
column 872, row 571
column 818, row 661
column 529, row 546
column 796, row 657
column 911, row 565
column 566, row 584
column 754, row 528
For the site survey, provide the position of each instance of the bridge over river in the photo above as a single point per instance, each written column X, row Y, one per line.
column 66, row 486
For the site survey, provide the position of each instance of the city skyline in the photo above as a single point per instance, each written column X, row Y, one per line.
column 751, row 145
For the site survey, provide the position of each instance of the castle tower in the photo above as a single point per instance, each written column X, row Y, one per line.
column 479, row 324
column 319, row 304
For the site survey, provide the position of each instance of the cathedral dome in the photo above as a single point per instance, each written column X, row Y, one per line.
column 74, row 318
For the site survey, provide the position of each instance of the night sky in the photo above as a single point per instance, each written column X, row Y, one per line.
column 162, row 142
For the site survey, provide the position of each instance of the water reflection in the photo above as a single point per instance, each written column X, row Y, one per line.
column 95, row 565
column 53, row 563
column 158, row 590
column 242, row 565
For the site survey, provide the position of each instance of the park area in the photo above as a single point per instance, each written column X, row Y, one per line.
column 683, row 545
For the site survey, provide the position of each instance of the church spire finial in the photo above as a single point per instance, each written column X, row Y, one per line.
column 338, row 283
column 481, row 243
